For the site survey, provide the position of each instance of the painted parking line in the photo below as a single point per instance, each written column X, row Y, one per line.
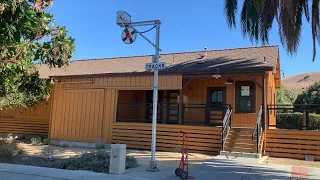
column 299, row 172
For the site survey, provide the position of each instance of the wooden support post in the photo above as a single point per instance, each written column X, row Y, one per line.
column 181, row 109
column 265, row 122
column 304, row 119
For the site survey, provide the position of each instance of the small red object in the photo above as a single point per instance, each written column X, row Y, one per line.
column 183, row 169
column 128, row 35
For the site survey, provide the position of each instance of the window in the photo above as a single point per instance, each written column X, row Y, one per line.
column 245, row 97
column 216, row 96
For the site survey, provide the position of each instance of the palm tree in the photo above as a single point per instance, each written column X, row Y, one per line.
column 257, row 17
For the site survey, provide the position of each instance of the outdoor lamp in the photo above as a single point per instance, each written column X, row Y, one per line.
column 229, row 82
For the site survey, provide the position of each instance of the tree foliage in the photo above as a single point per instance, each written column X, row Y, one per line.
column 257, row 17
column 311, row 95
column 285, row 96
column 29, row 36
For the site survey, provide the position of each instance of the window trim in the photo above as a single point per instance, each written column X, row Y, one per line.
column 245, row 83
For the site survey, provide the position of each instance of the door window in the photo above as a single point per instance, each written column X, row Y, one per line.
column 216, row 96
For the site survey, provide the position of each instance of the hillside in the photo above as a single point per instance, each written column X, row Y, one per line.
column 298, row 82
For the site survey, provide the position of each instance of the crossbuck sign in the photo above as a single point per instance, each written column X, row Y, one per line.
column 154, row 66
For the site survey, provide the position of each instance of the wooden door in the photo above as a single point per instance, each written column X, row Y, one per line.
column 149, row 107
column 172, row 108
column 216, row 99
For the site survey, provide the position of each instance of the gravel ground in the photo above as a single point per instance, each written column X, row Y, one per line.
column 292, row 162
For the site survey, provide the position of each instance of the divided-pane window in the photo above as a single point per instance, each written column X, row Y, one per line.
column 245, row 97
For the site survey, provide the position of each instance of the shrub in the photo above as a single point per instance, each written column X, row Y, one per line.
column 294, row 120
column 36, row 141
column 92, row 161
column 99, row 144
column 46, row 141
column 131, row 162
column 48, row 152
column 9, row 148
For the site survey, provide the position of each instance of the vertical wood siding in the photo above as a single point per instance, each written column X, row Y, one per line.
column 124, row 82
column 84, row 109
column 196, row 93
column 271, row 99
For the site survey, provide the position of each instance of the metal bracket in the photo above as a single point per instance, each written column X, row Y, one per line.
column 260, row 86
column 187, row 82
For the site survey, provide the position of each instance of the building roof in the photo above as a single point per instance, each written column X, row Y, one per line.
column 249, row 58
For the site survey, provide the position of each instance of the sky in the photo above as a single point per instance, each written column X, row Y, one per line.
column 186, row 25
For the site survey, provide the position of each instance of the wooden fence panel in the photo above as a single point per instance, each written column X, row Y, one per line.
column 24, row 126
column 293, row 143
column 138, row 136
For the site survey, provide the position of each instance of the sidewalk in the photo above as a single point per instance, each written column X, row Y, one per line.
column 18, row 172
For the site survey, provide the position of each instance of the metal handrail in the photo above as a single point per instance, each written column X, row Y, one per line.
column 225, row 126
column 257, row 129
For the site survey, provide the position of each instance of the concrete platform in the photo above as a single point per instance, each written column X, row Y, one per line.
column 240, row 154
column 18, row 172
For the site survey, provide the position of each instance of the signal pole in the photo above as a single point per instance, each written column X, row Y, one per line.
column 124, row 20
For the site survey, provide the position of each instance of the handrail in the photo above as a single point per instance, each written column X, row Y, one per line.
column 225, row 126
column 257, row 129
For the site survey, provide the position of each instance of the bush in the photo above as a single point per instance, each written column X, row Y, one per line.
column 46, row 141
column 48, row 152
column 294, row 120
column 36, row 141
column 99, row 144
column 9, row 148
column 92, row 161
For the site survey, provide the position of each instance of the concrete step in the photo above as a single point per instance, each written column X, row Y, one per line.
column 238, row 149
column 240, row 154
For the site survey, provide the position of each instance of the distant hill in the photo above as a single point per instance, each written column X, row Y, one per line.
column 298, row 82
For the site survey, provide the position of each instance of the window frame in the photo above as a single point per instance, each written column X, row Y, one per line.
column 237, row 93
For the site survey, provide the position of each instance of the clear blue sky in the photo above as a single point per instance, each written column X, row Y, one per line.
column 187, row 25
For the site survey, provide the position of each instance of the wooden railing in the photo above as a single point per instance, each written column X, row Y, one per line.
column 201, row 139
column 258, row 129
column 142, row 112
column 226, row 126
column 24, row 126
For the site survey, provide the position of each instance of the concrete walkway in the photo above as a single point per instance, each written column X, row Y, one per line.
column 220, row 167
column 231, row 168
column 18, row 172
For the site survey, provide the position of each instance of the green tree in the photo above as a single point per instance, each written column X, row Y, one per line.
column 257, row 17
column 285, row 96
column 29, row 36
column 310, row 95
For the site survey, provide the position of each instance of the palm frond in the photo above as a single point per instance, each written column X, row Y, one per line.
column 305, row 5
column 230, row 10
column 250, row 19
column 315, row 26
column 268, row 14
column 290, row 23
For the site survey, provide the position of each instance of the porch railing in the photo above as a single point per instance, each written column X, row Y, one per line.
column 142, row 112
column 226, row 123
column 168, row 113
column 258, row 129
column 199, row 114
column 294, row 116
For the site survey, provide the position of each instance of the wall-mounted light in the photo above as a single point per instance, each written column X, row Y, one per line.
column 282, row 76
column 229, row 82
column 217, row 75
column 52, row 81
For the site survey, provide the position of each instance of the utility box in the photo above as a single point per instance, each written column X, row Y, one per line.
column 118, row 158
